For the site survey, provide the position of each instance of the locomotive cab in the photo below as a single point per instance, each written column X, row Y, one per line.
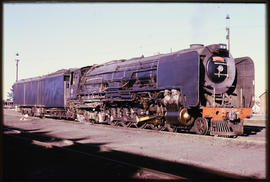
column 73, row 83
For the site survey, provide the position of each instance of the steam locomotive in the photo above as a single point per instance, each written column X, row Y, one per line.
column 202, row 89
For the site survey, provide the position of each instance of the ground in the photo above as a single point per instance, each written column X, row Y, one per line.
column 244, row 156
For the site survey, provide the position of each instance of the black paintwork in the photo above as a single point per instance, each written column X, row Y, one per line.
column 184, row 70
column 47, row 91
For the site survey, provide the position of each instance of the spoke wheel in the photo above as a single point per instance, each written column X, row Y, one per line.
column 42, row 116
column 143, row 125
column 86, row 117
column 122, row 124
column 201, row 126
column 110, row 122
column 133, row 125
column 92, row 121
column 150, row 126
column 168, row 127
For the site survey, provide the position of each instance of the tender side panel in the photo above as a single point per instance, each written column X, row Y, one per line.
column 27, row 93
column 18, row 94
column 48, row 92
column 245, row 82
column 181, row 71
column 40, row 92
column 30, row 93
column 54, row 91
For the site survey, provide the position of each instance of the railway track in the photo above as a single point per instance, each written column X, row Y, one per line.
column 165, row 130
column 142, row 168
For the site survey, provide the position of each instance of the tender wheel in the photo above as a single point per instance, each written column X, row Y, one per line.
column 201, row 126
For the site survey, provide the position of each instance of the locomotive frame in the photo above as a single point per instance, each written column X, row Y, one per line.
column 202, row 89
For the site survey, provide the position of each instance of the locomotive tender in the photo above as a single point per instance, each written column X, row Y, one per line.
column 202, row 89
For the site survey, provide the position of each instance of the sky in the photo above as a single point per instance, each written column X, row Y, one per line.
column 54, row 36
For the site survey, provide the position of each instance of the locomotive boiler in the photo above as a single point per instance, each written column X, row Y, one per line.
column 202, row 89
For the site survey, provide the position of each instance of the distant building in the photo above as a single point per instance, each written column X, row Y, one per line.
column 256, row 108
column 263, row 102
column 8, row 104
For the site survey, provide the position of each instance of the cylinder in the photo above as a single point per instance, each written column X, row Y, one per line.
column 180, row 117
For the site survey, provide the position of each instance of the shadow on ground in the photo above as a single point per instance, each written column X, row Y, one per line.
column 252, row 130
column 24, row 160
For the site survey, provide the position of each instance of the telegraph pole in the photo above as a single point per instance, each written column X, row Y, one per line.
column 17, row 65
column 228, row 30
